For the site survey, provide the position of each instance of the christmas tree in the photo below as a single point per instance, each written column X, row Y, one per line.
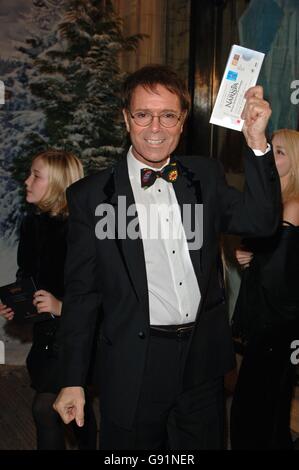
column 21, row 119
column 64, row 89
column 79, row 83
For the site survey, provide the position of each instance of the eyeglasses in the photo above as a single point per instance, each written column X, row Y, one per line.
column 145, row 118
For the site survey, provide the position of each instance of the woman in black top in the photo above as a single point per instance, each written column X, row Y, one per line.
column 41, row 255
column 266, row 318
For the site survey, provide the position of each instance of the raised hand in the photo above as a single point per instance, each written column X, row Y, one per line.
column 256, row 115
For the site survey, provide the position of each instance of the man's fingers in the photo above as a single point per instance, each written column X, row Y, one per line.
column 70, row 413
column 67, row 413
column 254, row 91
column 70, row 405
column 80, row 418
column 255, row 109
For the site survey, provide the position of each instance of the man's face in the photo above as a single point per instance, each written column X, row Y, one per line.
column 153, row 144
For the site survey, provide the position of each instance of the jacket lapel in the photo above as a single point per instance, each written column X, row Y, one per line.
column 188, row 192
column 119, row 193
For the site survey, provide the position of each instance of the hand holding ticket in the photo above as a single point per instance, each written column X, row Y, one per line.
column 256, row 115
column 241, row 73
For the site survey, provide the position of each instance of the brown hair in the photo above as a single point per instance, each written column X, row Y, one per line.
column 64, row 169
column 152, row 75
column 290, row 140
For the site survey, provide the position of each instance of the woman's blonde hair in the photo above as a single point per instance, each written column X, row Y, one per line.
column 64, row 168
column 290, row 141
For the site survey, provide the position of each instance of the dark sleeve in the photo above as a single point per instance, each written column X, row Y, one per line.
column 26, row 248
column 81, row 299
column 280, row 275
column 256, row 212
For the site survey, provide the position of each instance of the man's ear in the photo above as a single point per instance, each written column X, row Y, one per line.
column 125, row 115
column 183, row 119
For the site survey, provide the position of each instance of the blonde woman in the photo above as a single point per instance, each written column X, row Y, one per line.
column 266, row 317
column 41, row 255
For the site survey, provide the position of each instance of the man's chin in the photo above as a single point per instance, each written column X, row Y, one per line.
column 152, row 158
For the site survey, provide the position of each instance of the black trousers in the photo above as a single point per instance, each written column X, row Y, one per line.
column 50, row 430
column 166, row 417
column 260, row 412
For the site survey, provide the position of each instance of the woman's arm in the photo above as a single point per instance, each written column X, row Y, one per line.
column 244, row 257
column 291, row 212
column 6, row 312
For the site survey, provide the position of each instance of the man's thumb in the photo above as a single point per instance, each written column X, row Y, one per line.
column 80, row 417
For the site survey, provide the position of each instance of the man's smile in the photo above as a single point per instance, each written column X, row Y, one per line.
column 154, row 142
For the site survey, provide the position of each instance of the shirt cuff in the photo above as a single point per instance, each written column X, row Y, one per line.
column 259, row 153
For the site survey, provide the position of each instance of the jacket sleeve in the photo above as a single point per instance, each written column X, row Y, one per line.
column 82, row 299
column 26, row 248
column 256, row 212
column 280, row 276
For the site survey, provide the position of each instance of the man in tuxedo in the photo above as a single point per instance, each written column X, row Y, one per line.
column 165, row 342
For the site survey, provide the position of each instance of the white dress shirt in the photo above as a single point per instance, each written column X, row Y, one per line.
column 173, row 289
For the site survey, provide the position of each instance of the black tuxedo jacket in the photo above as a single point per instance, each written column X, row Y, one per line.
column 111, row 274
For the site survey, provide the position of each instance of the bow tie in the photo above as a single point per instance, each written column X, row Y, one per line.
column 169, row 173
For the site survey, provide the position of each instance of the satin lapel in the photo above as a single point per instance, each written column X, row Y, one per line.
column 120, row 195
column 188, row 192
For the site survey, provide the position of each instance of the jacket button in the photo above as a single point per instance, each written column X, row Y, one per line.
column 141, row 335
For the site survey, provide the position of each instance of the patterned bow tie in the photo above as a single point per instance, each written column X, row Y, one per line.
column 169, row 173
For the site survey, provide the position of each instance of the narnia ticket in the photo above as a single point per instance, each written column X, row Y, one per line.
column 241, row 72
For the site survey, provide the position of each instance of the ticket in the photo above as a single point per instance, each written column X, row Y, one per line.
column 241, row 72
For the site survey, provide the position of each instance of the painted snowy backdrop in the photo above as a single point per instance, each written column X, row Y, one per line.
column 59, row 63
